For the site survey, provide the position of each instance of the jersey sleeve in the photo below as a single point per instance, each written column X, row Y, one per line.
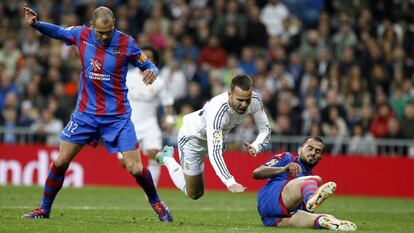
column 279, row 160
column 262, row 123
column 69, row 35
column 138, row 59
column 215, row 117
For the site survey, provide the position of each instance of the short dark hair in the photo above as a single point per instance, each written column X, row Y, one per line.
column 316, row 138
column 104, row 13
column 156, row 55
column 242, row 81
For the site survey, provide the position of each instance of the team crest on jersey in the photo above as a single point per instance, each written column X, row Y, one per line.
column 97, row 66
column 117, row 52
column 217, row 137
column 142, row 58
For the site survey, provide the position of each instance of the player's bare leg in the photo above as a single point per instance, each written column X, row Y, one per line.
column 194, row 186
column 153, row 166
column 55, row 178
column 291, row 193
column 132, row 160
column 305, row 219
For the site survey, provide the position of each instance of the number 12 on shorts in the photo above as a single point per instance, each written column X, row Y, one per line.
column 71, row 127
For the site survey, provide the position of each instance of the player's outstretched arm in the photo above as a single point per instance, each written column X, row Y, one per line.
column 48, row 29
column 264, row 172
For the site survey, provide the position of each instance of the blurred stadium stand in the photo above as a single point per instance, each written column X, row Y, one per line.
column 341, row 69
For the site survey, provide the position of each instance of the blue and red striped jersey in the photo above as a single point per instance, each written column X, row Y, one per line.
column 102, row 89
column 283, row 159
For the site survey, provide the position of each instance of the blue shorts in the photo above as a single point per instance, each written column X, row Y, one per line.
column 117, row 131
column 270, row 204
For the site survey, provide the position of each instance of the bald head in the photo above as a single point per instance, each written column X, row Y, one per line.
column 102, row 14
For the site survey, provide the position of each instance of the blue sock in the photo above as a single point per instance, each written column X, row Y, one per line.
column 53, row 184
column 147, row 184
column 316, row 222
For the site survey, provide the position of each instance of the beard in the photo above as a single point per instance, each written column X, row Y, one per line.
column 308, row 164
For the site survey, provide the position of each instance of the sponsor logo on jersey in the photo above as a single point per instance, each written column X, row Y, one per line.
column 97, row 66
column 97, row 72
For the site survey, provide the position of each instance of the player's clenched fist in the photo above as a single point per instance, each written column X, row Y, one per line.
column 149, row 77
column 236, row 188
column 293, row 169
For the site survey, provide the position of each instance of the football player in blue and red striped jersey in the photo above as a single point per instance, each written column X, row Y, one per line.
column 102, row 109
column 293, row 193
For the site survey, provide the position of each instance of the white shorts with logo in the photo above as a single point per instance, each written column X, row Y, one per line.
column 192, row 152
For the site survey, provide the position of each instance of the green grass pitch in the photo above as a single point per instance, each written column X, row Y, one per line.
column 98, row 209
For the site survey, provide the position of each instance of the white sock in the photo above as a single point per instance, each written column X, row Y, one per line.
column 176, row 173
column 155, row 170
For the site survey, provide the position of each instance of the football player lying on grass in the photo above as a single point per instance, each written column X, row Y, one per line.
column 293, row 194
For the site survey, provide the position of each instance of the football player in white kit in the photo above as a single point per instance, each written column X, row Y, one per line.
column 144, row 101
column 206, row 131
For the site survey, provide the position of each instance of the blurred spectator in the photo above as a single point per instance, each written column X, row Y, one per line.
column 362, row 142
column 310, row 115
column 7, row 86
column 379, row 125
column 47, row 128
column 335, row 125
column 310, row 46
column 299, row 49
column 186, row 49
column 246, row 132
column 173, row 74
column 332, row 79
column 193, row 97
column 394, row 132
column 233, row 18
column 332, row 100
column 10, row 56
column 356, row 93
column 212, row 55
column 248, row 61
column 232, row 39
column 279, row 79
column 343, row 39
column 256, row 33
column 30, row 44
column 9, row 124
column 407, row 130
column 272, row 16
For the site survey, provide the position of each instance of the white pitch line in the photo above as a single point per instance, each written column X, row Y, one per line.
column 122, row 208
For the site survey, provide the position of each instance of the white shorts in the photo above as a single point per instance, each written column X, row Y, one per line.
column 151, row 140
column 149, row 135
column 192, row 152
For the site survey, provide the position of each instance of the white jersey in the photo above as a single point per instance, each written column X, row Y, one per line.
column 213, row 123
column 144, row 100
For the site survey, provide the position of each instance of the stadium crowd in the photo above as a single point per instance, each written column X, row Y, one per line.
column 331, row 68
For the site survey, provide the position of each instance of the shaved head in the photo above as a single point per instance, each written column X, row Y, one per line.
column 102, row 14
